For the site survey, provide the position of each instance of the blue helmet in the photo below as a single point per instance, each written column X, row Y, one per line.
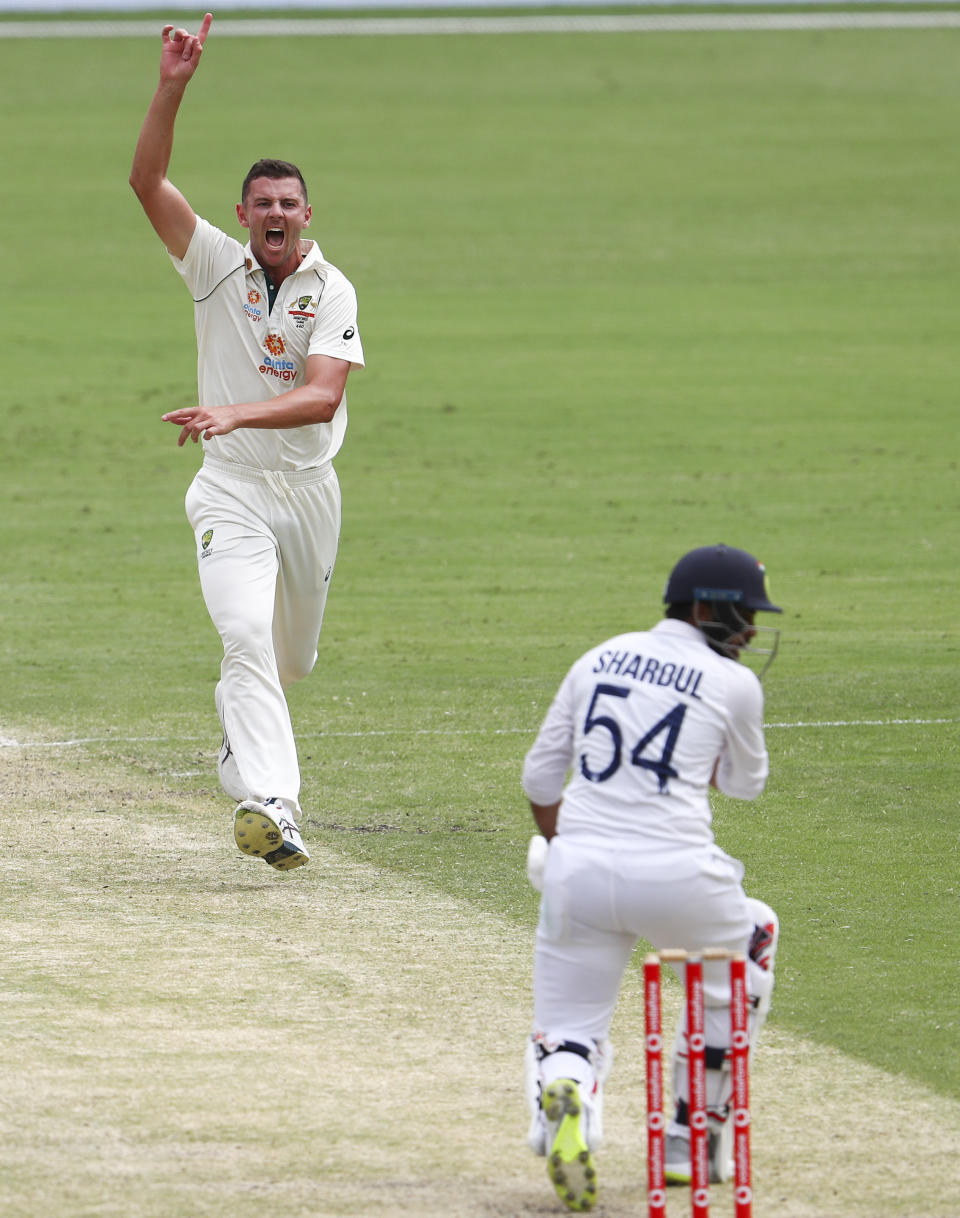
column 719, row 574
column 732, row 583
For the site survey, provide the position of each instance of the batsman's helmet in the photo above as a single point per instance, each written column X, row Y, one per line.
column 729, row 580
column 719, row 573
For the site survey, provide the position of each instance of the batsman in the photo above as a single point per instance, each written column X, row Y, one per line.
column 618, row 779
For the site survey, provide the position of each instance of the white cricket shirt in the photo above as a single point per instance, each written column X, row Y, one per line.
column 247, row 352
column 639, row 723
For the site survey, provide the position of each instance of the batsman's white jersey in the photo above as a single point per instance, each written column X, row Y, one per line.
column 642, row 720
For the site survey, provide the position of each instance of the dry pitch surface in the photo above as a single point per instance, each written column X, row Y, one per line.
column 189, row 1033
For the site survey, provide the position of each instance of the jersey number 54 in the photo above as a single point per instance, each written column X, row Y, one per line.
column 668, row 727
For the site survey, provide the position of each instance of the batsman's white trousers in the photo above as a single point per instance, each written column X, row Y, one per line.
column 599, row 900
column 266, row 547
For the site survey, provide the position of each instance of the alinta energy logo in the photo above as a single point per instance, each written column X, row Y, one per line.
column 274, row 364
column 251, row 308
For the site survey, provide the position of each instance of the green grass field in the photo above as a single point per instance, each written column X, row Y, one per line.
column 620, row 296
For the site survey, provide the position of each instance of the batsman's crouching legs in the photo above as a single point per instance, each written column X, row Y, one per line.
column 761, row 956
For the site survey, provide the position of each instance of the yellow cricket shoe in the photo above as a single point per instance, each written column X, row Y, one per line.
column 570, row 1165
column 265, row 831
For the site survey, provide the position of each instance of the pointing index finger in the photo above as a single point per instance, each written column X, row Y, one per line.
column 204, row 28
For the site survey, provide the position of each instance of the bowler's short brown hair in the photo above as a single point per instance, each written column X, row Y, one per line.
column 268, row 167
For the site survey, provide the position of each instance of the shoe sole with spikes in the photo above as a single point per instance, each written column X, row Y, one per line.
column 287, row 858
column 570, row 1165
column 259, row 836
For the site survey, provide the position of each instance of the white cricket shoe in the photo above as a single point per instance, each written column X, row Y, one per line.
column 676, row 1158
column 266, row 831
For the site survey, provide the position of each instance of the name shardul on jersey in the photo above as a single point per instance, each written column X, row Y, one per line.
column 683, row 679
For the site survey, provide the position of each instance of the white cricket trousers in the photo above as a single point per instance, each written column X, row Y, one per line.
column 598, row 900
column 266, row 546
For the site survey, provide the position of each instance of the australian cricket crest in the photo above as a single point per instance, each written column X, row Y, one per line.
column 303, row 309
column 205, row 540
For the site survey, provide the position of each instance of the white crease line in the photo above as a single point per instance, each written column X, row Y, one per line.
column 861, row 723
column 8, row 742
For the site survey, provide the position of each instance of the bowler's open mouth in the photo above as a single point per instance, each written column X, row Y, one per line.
column 274, row 237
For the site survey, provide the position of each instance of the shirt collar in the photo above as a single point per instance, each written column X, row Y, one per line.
column 679, row 629
column 313, row 257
